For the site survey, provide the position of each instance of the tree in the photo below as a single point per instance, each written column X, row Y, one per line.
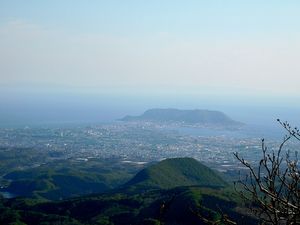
column 272, row 189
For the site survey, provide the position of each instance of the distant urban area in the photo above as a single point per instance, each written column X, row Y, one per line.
column 132, row 143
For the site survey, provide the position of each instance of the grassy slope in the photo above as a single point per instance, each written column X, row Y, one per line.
column 67, row 178
column 179, row 205
column 176, row 172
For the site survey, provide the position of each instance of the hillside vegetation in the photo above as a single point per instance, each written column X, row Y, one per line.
column 69, row 178
column 175, row 172
column 173, row 191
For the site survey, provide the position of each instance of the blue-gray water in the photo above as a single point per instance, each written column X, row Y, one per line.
column 248, row 131
column 34, row 108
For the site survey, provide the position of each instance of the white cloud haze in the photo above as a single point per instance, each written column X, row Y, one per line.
column 34, row 55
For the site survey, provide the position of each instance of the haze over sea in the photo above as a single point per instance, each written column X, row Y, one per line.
column 76, row 63
column 68, row 108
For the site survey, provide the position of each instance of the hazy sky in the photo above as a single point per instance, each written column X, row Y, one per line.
column 246, row 47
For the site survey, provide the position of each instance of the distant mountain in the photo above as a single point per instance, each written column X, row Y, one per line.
column 189, row 117
column 175, row 172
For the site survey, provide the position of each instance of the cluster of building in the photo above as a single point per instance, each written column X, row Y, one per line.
column 135, row 142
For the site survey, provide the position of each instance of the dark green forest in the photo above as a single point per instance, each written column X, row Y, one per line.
column 173, row 191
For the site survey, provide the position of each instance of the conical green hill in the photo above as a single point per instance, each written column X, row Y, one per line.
column 175, row 172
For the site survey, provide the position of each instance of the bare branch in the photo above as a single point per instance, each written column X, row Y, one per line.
column 275, row 196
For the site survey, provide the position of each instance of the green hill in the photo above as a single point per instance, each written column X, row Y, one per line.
column 197, row 116
column 69, row 178
column 175, row 172
column 173, row 191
